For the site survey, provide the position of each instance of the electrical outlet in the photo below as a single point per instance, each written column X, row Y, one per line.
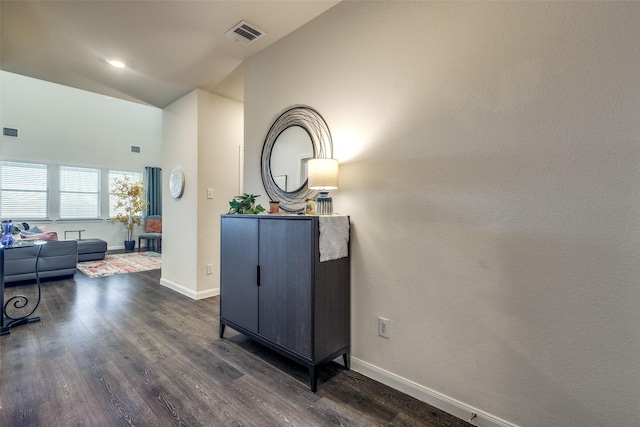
column 209, row 193
column 384, row 327
column 209, row 268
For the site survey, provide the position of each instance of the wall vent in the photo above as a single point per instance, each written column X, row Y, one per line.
column 135, row 149
column 10, row 132
column 245, row 33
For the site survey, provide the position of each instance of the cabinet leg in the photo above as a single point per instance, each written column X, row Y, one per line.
column 346, row 357
column 221, row 329
column 313, row 378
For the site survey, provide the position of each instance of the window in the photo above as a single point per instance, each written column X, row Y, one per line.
column 79, row 192
column 134, row 176
column 24, row 191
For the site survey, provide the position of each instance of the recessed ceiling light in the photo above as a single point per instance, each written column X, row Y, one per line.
column 118, row 63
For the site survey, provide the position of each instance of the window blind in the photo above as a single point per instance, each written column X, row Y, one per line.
column 24, row 191
column 79, row 192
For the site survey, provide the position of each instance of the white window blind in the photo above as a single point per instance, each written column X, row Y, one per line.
column 79, row 192
column 24, row 191
column 134, row 176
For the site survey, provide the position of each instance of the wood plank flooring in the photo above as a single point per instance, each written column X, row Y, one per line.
column 124, row 351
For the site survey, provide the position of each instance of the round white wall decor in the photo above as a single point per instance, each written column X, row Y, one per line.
column 176, row 183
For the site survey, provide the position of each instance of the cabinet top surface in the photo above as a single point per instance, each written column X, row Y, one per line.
column 278, row 216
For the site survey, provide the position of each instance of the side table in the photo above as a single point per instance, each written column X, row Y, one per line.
column 73, row 231
column 18, row 301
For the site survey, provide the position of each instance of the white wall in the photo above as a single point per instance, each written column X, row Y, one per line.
column 180, row 216
column 59, row 125
column 489, row 161
column 221, row 136
column 202, row 135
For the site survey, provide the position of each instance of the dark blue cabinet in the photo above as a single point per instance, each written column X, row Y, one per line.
column 275, row 290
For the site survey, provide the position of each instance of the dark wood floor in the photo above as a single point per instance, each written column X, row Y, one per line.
column 123, row 350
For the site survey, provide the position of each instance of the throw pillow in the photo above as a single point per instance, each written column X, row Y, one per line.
column 153, row 226
column 49, row 235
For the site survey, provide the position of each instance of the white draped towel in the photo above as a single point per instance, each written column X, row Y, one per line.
column 334, row 237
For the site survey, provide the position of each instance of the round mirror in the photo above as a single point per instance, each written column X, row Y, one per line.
column 291, row 151
column 296, row 136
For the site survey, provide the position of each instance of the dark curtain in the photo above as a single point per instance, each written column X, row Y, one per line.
column 154, row 190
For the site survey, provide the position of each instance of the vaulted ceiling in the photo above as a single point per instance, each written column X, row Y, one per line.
column 170, row 47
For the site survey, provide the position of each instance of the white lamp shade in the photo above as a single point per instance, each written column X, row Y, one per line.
column 323, row 174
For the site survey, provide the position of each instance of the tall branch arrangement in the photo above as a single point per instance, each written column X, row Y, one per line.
column 130, row 196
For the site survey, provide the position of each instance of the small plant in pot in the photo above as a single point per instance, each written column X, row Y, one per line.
column 245, row 204
column 130, row 204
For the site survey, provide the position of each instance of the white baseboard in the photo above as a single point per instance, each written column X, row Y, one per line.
column 190, row 292
column 432, row 397
column 208, row 293
column 178, row 288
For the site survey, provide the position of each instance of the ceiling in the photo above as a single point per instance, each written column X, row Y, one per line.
column 170, row 47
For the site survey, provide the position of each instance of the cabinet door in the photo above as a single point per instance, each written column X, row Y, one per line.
column 286, row 269
column 238, row 271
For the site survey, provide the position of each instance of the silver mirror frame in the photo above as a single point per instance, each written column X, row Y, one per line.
column 313, row 123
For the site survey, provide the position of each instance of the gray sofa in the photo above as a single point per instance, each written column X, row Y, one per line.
column 91, row 249
column 57, row 258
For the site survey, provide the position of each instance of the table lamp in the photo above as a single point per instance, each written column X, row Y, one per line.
column 323, row 176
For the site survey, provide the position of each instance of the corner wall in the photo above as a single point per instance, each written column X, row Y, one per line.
column 221, row 137
column 179, row 216
column 489, row 161
column 202, row 133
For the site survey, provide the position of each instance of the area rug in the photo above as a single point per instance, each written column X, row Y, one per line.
column 121, row 264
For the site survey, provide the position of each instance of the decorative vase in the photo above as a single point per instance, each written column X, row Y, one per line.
column 7, row 239
column 129, row 245
column 324, row 205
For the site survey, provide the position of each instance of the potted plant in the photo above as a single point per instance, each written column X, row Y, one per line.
column 245, row 204
column 131, row 203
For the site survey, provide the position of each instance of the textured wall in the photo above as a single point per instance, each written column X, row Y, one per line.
column 489, row 161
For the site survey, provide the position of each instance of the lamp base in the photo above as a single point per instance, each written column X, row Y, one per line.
column 324, row 204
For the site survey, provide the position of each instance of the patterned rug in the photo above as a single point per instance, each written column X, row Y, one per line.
column 121, row 264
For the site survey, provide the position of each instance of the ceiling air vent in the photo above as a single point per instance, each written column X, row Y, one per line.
column 135, row 149
column 245, row 33
column 10, row 132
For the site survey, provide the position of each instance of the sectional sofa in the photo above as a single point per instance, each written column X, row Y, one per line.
column 58, row 258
